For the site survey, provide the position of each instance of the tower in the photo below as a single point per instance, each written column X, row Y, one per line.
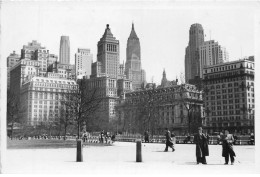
column 133, row 60
column 108, row 54
column 64, row 50
column 192, row 60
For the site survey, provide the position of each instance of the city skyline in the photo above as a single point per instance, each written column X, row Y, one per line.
column 163, row 37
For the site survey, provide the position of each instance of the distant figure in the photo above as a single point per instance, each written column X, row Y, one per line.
column 252, row 139
column 169, row 141
column 227, row 148
column 102, row 136
column 146, row 137
column 187, row 139
column 202, row 149
column 207, row 136
column 113, row 138
column 84, row 136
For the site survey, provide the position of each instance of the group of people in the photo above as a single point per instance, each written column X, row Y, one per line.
column 202, row 150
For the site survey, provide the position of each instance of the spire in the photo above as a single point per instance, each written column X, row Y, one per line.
column 164, row 74
column 133, row 34
column 108, row 33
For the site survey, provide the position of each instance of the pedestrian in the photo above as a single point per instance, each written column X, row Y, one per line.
column 207, row 136
column 146, row 137
column 169, row 141
column 227, row 148
column 202, row 149
column 102, row 136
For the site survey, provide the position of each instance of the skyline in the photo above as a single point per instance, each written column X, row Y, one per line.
column 161, row 48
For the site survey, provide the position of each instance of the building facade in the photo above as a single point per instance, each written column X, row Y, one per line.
column 34, row 51
column 64, row 50
column 12, row 60
column 108, row 75
column 83, row 62
column 133, row 67
column 40, row 98
column 211, row 53
column 192, row 60
column 177, row 107
column 108, row 54
column 229, row 96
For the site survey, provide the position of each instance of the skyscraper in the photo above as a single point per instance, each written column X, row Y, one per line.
column 64, row 50
column 133, row 60
column 107, row 76
column 108, row 54
column 192, row 60
column 211, row 53
column 83, row 61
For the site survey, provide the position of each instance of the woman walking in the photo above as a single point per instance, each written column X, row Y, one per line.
column 227, row 148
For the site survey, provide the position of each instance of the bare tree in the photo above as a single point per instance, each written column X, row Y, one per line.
column 83, row 102
column 13, row 110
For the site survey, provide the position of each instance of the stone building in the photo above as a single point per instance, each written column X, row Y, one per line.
column 229, row 96
column 40, row 98
column 177, row 107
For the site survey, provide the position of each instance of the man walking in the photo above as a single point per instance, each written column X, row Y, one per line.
column 202, row 149
column 169, row 141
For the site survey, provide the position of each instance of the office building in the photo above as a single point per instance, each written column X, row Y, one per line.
column 83, row 62
column 133, row 68
column 192, row 59
column 229, row 96
column 64, row 50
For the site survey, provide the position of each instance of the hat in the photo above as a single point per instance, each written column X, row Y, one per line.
column 200, row 128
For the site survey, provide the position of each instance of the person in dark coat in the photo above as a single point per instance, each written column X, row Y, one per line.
column 169, row 141
column 202, row 149
column 146, row 137
column 227, row 148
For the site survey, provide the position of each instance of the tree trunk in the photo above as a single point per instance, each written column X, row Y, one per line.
column 65, row 131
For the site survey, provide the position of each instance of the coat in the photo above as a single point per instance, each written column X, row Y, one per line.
column 201, row 142
column 227, row 145
column 168, row 138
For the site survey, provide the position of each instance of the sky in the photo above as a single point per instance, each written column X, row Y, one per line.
column 163, row 28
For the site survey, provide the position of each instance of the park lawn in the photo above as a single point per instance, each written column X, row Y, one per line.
column 46, row 144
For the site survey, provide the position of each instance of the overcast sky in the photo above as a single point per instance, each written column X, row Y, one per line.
column 163, row 29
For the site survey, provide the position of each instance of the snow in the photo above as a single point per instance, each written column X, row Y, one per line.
column 121, row 159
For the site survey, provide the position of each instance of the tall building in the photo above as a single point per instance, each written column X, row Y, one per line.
column 192, row 60
column 229, row 96
column 64, row 50
column 133, row 67
column 211, row 53
column 12, row 59
column 83, row 62
column 34, row 51
column 108, row 75
column 108, row 54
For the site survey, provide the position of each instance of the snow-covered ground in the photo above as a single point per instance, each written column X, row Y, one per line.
column 120, row 159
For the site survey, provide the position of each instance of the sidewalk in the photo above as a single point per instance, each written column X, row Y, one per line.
column 120, row 158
